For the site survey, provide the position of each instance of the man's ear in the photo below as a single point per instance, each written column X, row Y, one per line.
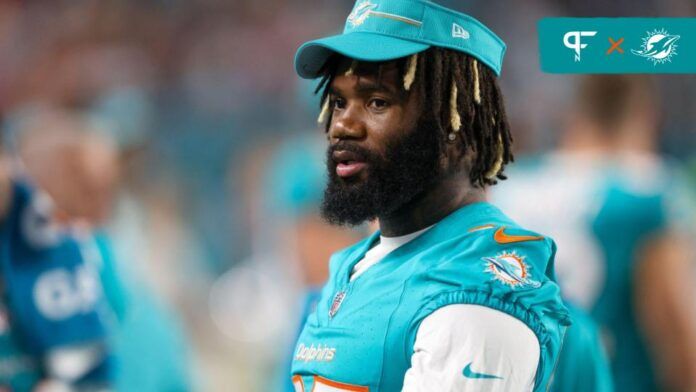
column 456, row 157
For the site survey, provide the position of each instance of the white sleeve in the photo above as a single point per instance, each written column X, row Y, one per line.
column 472, row 348
column 70, row 364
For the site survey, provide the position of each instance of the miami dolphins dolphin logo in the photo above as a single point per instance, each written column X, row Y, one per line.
column 361, row 13
column 659, row 47
column 509, row 268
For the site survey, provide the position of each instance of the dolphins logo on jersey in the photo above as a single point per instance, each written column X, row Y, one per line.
column 509, row 268
column 659, row 47
column 361, row 12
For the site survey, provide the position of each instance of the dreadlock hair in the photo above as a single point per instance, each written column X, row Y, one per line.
column 458, row 96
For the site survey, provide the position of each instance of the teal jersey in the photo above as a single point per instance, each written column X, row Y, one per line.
column 19, row 369
column 51, row 295
column 360, row 337
column 583, row 365
column 601, row 216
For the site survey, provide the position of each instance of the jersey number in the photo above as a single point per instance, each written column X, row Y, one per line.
column 60, row 294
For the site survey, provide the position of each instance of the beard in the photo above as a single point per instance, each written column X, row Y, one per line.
column 409, row 167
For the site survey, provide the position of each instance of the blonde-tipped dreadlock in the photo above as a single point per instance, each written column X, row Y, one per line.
column 498, row 164
column 350, row 70
column 410, row 74
column 455, row 118
column 477, row 86
column 324, row 111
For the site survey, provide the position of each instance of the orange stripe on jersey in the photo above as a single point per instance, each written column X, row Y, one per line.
column 341, row 386
column 298, row 383
column 502, row 238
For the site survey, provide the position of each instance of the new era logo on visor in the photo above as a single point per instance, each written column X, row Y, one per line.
column 459, row 32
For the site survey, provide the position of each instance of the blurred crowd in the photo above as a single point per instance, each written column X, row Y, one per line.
column 180, row 130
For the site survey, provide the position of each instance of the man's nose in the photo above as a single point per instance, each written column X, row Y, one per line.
column 348, row 123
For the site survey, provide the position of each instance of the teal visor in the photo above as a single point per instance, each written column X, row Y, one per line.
column 382, row 30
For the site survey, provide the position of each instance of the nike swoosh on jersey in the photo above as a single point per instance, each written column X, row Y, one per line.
column 468, row 373
column 502, row 238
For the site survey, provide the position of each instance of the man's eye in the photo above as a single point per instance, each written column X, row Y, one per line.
column 378, row 103
column 338, row 103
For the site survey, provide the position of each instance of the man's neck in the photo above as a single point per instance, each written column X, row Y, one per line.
column 447, row 196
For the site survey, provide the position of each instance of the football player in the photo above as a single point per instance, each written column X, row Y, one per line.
column 78, row 167
column 55, row 319
column 449, row 294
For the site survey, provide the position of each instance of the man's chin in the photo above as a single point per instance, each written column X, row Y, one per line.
column 349, row 202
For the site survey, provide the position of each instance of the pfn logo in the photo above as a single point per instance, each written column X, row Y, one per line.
column 576, row 43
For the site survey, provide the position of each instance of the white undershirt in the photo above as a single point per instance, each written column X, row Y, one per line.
column 464, row 347
column 385, row 246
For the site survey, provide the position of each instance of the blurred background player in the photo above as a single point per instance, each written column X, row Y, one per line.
column 583, row 364
column 78, row 165
column 614, row 207
column 55, row 321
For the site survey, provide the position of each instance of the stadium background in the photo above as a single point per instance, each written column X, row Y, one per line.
column 216, row 136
